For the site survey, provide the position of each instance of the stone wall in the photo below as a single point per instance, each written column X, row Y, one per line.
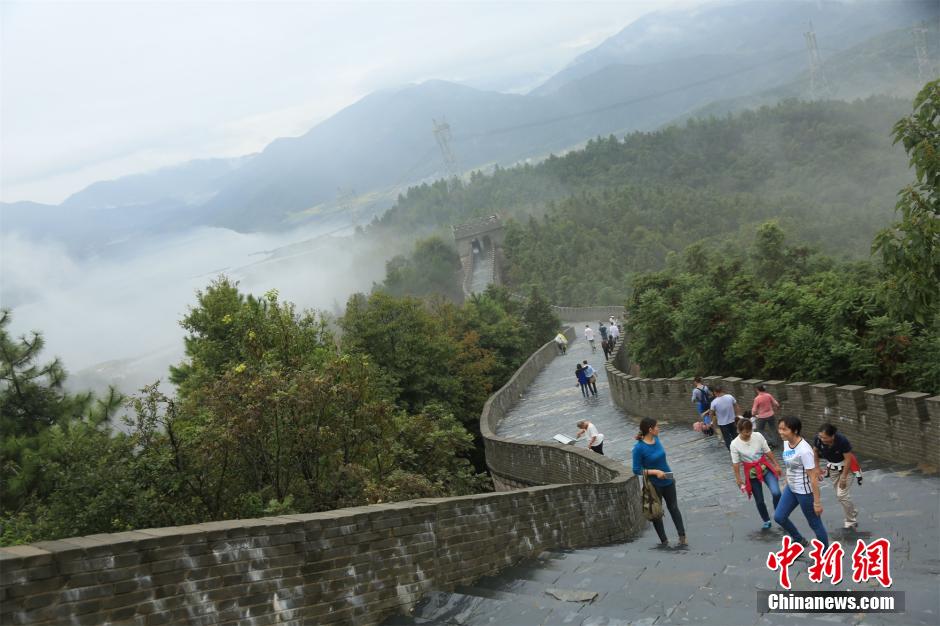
column 593, row 314
column 348, row 566
column 882, row 423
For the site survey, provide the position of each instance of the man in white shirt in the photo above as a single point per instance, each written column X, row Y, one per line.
column 589, row 335
column 614, row 333
column 595, row 438
column 725, row 408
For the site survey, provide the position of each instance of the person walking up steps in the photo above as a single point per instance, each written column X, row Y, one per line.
column 591, row 375
column 595, row 438
column 726, row 412
column 614, row 333
column 562, row 342
column 835, row 448
column 606, row 346
column 649, row 460
column 763, row 409
column 750, row 449
column 802, row 482
column 582, row 379
column 589, row 335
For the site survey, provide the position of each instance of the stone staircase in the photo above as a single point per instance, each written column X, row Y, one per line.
column 517, row 595
column 714, row 580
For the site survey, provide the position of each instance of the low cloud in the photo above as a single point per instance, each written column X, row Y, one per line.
column 115, row 318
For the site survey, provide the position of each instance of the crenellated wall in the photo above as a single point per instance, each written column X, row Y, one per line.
column 882, row 423
column 588, row 313
column 348, row 566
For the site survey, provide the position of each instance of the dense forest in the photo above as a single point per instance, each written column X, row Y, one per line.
column 273, row 413
column 833, row 161
column 705, row 229
column 775, row 310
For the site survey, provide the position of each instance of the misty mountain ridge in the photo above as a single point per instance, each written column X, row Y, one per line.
column 192, row 182
column 883, row 64
column 736, row 28
column 640, row 79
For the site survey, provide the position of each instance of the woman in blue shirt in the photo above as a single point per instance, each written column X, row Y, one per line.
column 649, row 460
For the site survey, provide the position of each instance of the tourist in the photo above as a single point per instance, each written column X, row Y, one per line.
column 605, row 345
column 750, row 449
column 802, row 482
column 614, row 332
column 726, row 414
column 589, row 335
column 763, row 409
column 835, row 448
column 595, row 438
column 649, row 460
column 582, row 379
column 602, row 329
column 701, row 397
column 562, row 342
column 591, row 375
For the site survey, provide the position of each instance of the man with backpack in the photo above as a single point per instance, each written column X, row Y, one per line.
column 702, row 399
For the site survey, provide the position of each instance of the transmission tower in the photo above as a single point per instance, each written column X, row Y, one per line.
column 818, row 85
column 442, row 136
column 924, row 66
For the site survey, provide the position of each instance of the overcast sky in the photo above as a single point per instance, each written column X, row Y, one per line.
column 93, row 91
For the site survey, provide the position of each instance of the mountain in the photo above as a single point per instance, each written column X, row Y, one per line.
column 884, row 64
column 750, row 29
column 386, row 140
column 660, row 68
column 193, row 182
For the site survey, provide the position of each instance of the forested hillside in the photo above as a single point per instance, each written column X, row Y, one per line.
column 826, row 170
column 272, row 414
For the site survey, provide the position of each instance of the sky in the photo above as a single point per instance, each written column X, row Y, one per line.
column 95, row 90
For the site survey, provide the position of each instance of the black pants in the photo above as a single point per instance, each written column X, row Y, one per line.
column 728, row 432
column 584, row 389
column 599, row 448
column 669, row 495
column 593, row 386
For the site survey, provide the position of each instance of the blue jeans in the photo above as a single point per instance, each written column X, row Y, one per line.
column 788, row 502
column 773, row 485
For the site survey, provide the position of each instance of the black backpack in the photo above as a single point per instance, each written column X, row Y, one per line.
column 706, row 395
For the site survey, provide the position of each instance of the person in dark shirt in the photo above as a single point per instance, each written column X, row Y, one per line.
column 836, row 450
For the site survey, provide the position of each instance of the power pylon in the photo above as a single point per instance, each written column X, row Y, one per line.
column 818, row 85
column 924, row 65
column 442, row 136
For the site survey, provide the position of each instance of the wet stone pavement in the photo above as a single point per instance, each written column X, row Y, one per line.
column 714, row 580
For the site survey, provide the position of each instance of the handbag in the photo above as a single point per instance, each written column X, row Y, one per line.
column 652, row 505
column 593, row 378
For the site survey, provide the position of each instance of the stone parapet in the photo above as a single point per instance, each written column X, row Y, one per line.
column 348, row 566
column 882, row 423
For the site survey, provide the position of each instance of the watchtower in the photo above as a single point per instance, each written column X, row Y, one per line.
column 479, row 244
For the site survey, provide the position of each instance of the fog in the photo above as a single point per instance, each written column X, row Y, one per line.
column 115, row 317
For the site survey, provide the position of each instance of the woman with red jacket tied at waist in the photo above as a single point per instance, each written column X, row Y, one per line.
column 763, row 409
column 750, row 449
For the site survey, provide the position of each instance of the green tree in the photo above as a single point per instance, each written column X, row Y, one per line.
column 32, row 402
column 910, row 249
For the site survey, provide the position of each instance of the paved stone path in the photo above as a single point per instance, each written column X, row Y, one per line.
column 482, row 274
column 715, row 580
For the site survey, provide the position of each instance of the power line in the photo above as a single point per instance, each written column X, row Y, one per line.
column 818, row 85
column 924, row 65
column 624, row 103
column 442, row 137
